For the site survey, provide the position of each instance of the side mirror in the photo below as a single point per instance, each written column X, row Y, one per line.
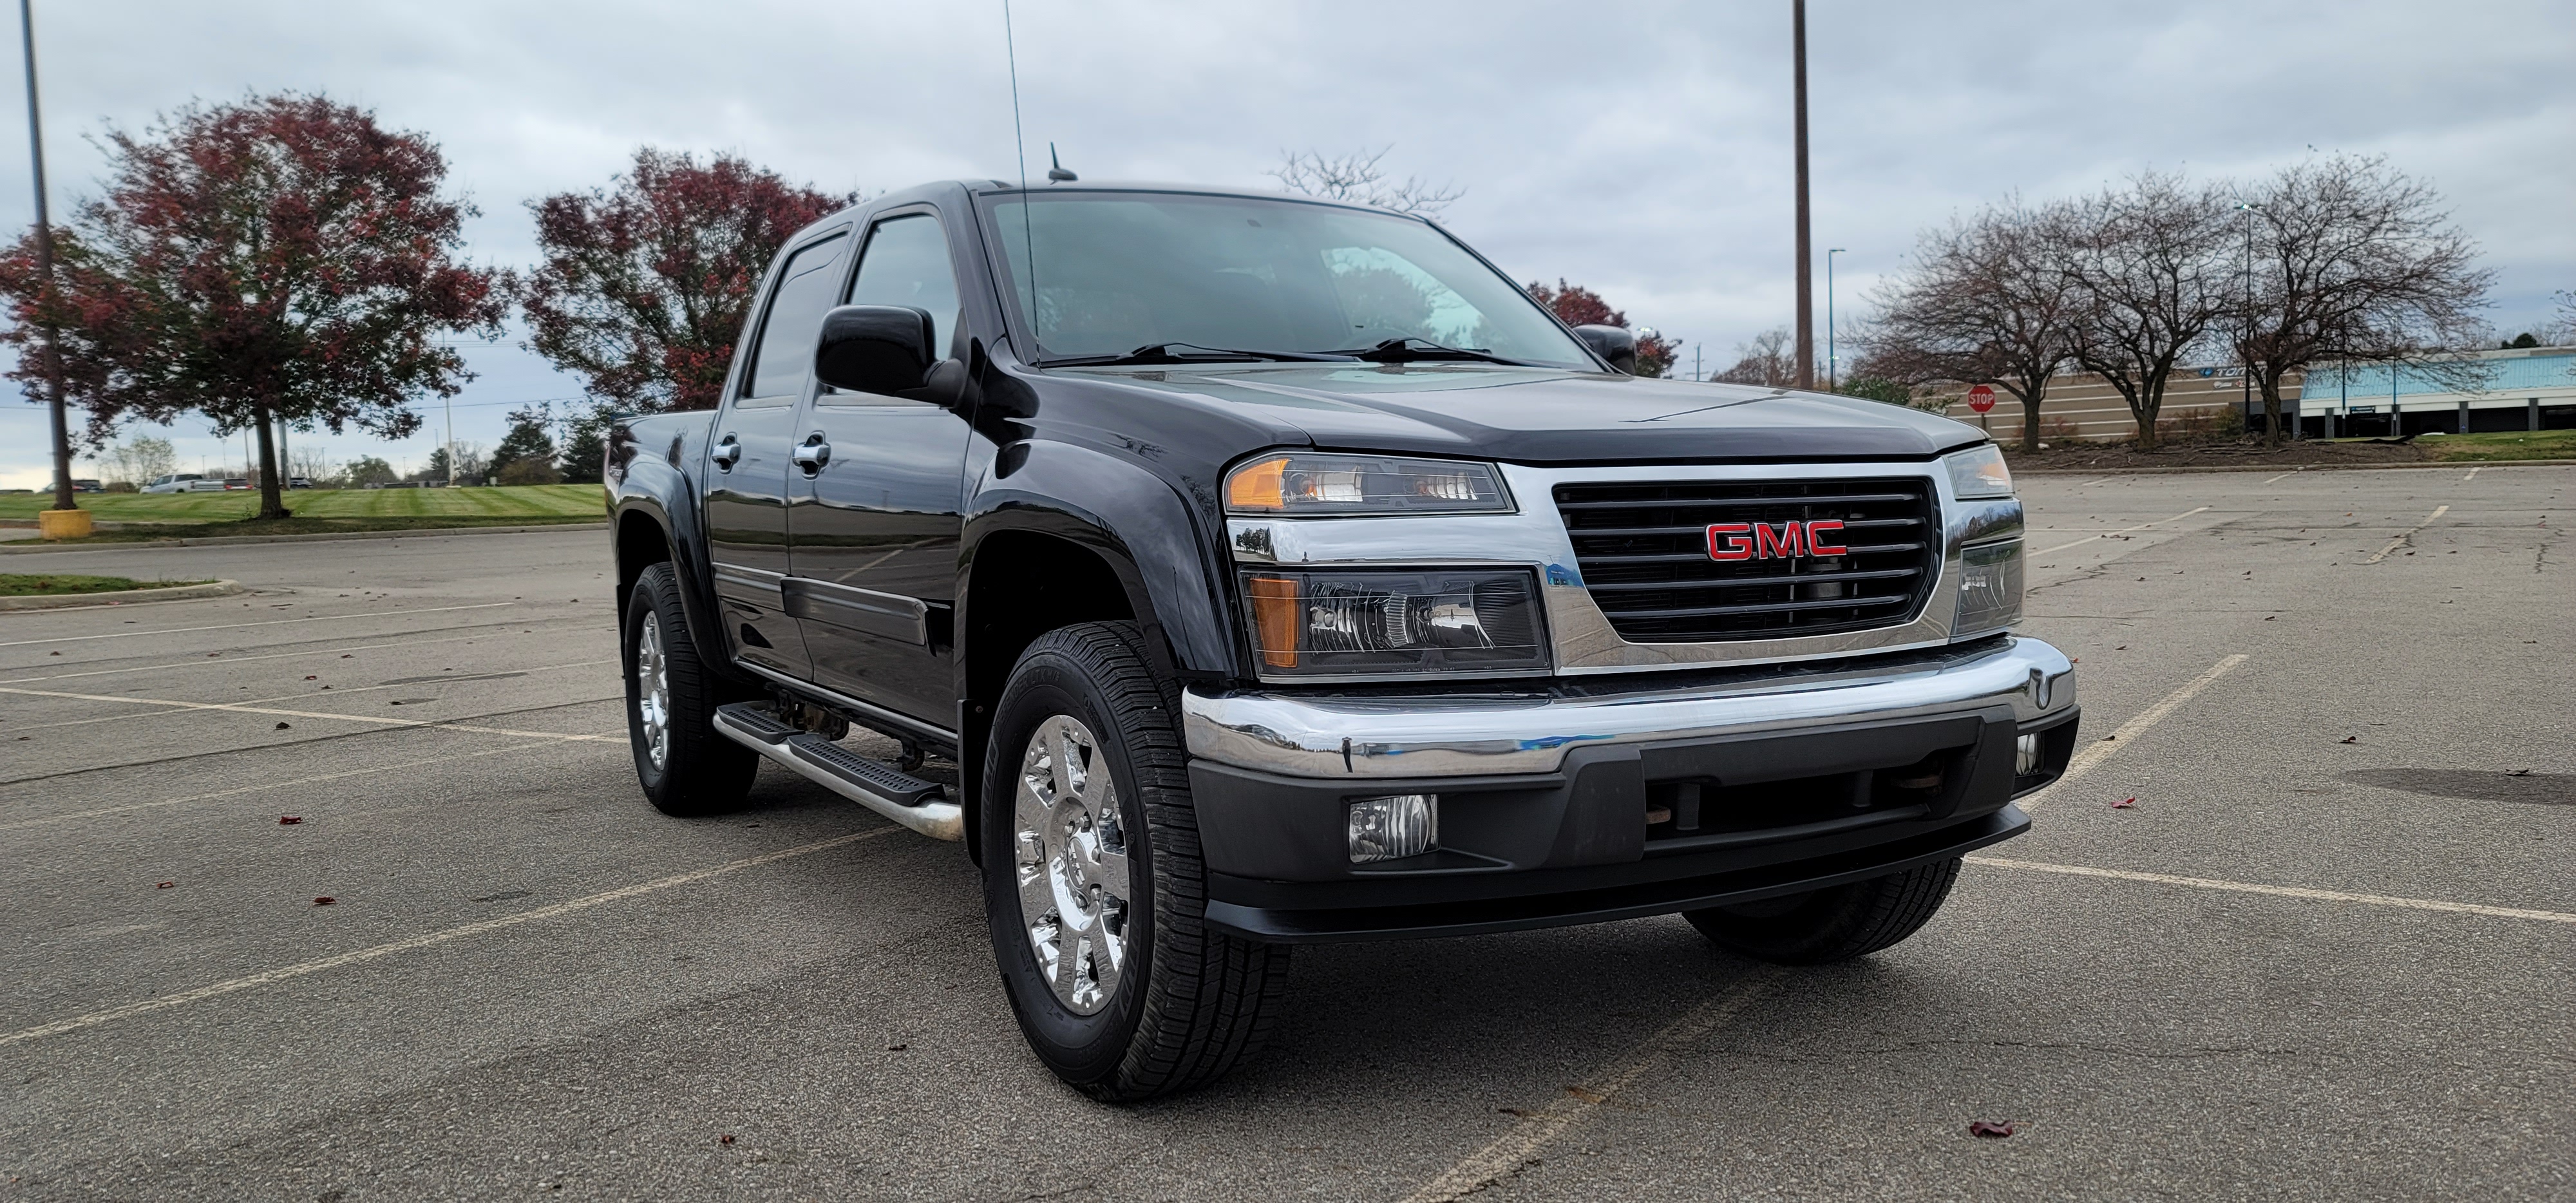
column 1613, row 344
column 875, row 349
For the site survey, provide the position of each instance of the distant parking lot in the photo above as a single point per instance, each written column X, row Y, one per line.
column 2300, row 925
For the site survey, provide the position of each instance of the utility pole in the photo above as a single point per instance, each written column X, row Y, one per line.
column 1806, row 374
column 449, row 405
column 1833, row 377
column 45, row 278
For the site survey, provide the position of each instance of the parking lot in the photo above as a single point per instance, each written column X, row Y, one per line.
column 2327, row 953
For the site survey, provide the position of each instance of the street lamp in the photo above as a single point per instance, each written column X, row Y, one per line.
column 1831, row 379
column 2244, row 350
column 73, row 523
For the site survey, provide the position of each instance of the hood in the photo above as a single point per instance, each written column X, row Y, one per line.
column 1546, row 416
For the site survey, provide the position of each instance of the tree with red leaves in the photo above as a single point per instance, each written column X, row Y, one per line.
column 1580, row 306
column 280, row 259
column 646, row 285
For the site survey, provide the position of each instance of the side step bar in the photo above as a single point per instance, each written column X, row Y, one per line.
column 906, row 799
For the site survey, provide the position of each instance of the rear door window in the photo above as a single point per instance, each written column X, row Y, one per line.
column 783, row 356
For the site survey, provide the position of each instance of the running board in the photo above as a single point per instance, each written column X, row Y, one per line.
column 900, row 796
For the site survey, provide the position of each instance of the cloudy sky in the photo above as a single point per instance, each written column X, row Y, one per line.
column 1641, row 149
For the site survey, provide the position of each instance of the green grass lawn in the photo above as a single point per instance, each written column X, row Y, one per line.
column 51, row 584
column 504, row 504
column 2502, row 445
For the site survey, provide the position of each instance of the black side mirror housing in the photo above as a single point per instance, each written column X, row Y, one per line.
column 886, row 349
column 1613, row 344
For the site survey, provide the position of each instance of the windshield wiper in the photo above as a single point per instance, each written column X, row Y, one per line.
column 1164, row 353
column 1409, row 348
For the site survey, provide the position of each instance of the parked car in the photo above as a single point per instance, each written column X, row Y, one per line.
column 84, row 484
column 298, row 482
column 1290, row 576
column 235, row 484
column 175, row 482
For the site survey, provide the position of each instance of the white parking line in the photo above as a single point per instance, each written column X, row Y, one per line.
column 424, row 940
column 2096, row 751
column 2125, row 530
column 2291, row 472
column 2400, row 541
column 2473, row 475
column 2247, row 887
column 337, row 693
column 265, row 786
column 274, row 622
column 1520, row 1147
column 221, row 661
column 456, row 725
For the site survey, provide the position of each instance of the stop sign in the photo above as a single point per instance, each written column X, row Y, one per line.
column 1981, row 398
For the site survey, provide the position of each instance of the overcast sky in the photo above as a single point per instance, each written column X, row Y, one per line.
column 1641, row 149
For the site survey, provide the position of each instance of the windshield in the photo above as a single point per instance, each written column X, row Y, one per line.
column 1119, row 271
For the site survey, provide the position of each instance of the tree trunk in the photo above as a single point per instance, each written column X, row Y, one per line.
column 2271, row 384
column 2031, row 395
column 272, row 498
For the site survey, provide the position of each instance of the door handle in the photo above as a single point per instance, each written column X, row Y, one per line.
column 813, row 453
column 726, row 452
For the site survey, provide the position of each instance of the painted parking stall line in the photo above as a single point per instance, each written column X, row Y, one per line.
column 274, row 622
column 2122, row 531
column 2411, row 532
column 2248, row 887
column 427, row 939
column 2099, row 750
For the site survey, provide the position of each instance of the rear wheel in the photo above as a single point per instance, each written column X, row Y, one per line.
column 1832, row 924
column 685, row 766
column 1093, row 886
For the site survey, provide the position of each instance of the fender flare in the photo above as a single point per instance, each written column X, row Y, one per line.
column 648, row 494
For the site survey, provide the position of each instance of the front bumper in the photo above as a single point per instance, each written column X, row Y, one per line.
column 1794, row 777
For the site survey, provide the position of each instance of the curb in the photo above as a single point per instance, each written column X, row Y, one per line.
column 2457, row 465
column 216, row 540
column 123, row 596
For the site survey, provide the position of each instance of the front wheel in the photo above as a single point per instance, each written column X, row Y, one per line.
column 1093, row 887
column 1833, row 924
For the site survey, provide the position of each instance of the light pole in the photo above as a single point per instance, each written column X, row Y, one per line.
column 2245, row 349
column 1833, row 377
column 1805, row 376
column 73, row 527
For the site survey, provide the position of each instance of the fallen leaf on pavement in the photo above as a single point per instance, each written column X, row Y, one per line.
column 2349, row 739
column 309, row 677
column 325, row 900
column 725, row 1139
column 894, row 1048
column 289, row 820
column 1990, row 1128
column 1587, row 1095
column 281, row 726
column 163, row 885
column 2124, row 804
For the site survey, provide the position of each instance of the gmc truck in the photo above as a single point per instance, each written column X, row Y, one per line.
column 1230, row 571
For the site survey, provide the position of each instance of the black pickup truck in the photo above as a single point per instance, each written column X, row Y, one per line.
column 1235, row 570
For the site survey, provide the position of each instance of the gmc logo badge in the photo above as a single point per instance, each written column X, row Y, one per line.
column 1763, row 541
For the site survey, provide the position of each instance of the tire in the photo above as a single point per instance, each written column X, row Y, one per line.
column 1125, row 997
column 687, row 768
column 1833, row 924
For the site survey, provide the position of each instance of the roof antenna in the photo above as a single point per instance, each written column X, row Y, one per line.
column 1020, row 144
column 1055, row 168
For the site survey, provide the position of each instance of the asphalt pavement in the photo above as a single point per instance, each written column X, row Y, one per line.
column 2325, row 953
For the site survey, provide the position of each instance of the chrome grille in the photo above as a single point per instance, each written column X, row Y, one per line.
column 1644, row 552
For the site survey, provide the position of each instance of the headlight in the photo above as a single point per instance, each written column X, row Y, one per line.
column 1322, row 484
column 1979, row 472
column 1373, row 621
column 1989, row 589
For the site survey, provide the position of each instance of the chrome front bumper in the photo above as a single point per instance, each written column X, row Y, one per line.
column 1432, row 734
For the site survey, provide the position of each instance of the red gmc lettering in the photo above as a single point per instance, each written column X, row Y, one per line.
column 1816, row 545
column 1737, row 546
column 1790, row 540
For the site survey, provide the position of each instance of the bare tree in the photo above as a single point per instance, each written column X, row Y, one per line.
column 2151, row 279
column 1769, row 360
column 2352, row 261
column 308, row 461
column 1357, row 177
column 1986, row 301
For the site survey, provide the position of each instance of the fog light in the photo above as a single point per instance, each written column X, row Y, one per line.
column 2026, row 755
column 1393, row 827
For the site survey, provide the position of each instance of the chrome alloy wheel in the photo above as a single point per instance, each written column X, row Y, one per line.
column 653, row 691
column 1071, row 858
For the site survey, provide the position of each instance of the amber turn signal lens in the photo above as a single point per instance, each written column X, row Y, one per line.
column 1257, row 486
column 1274, row 616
